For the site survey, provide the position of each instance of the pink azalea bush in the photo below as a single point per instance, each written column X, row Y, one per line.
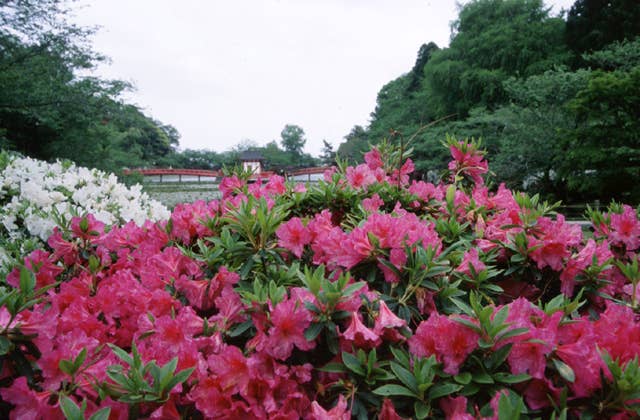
column 367, row 295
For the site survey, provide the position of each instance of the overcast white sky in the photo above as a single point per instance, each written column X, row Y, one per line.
column 225, row 71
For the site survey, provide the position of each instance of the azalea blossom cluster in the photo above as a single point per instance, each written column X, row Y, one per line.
column 37, row 196
column 393, row 298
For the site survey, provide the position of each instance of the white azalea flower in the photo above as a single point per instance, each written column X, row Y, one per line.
column 33, row 191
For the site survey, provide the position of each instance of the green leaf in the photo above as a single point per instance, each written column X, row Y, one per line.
column 393, row 389
column 400, row 356
column 27, row 281
column 463, row 378
column 5, row 345
column 351, row 289
column 82, row 356
column 501, row 316
column 496, row 358
column 405, row 377
column 313, row 331
column 239, row 329
column 333, row 368
column 137, row 360
column 122, row 355
column 463, row 306
column 179, row 377
column 421, row 409
column 493, row 288
column 482, row 378
column 353, row 363
column 564, row 370
column 166, row 372
column 70, row 409
column 508, row 378
column 467, row 323
column 443, row 389
column 102, row 414
column 513, row 333
column 66, row 367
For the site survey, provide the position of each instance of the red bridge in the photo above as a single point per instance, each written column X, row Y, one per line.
column 170, row 174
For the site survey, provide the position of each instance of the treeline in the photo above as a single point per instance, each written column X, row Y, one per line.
column 51, row 107
column 282, row 155
column 555, row 99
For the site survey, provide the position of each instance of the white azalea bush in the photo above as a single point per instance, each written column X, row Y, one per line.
column 36, row 196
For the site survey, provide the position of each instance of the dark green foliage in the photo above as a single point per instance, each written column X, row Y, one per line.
column 492, row 40
column 594, row 24
column 328, row 156
column 293, row 139
column 355, row 145
column 50, row 109
column 505, row 78
column 603, row 151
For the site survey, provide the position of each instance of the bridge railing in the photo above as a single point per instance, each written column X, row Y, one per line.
column 200, row 175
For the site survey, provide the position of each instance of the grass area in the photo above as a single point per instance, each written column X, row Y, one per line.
column 172, row 193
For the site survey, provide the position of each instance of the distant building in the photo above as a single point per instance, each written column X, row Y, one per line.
column 252, row 161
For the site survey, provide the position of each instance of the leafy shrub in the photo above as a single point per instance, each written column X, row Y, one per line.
column 365, row 295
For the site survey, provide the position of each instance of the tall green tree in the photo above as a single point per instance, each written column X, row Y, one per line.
column 530, row 143
column 355, row 145
column 50, row 107
column 293, row 139
column 328, row 156
column 594, row 24
column 603, row 151
column 491, row 41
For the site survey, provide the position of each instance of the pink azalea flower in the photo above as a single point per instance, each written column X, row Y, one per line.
column 354, row 249
column 372, row 204
column 211, row 400
column 231, row 185
column 339, row 412
column 275, row 185
column 289, row 320
column 578, row 263
column 554, row 242
column 230, row 309
column 585, row 360
column 373, row 159
column 425, row 191
column 188, row 220
column 455, row 408
column 361, row 176
column 66, row 250
column 450, row 341
column 618, row 332
column 471, row 259
column 328, row 174
column 625, row 228
column 388, row 411
column 531, row 356
column 470, row 163
column 42, row 265
column 29, row 404
column 231, row 369
column 87, row 228
column 358, row 335
column 401, row 176
column 293, row 235
column 387, row 324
